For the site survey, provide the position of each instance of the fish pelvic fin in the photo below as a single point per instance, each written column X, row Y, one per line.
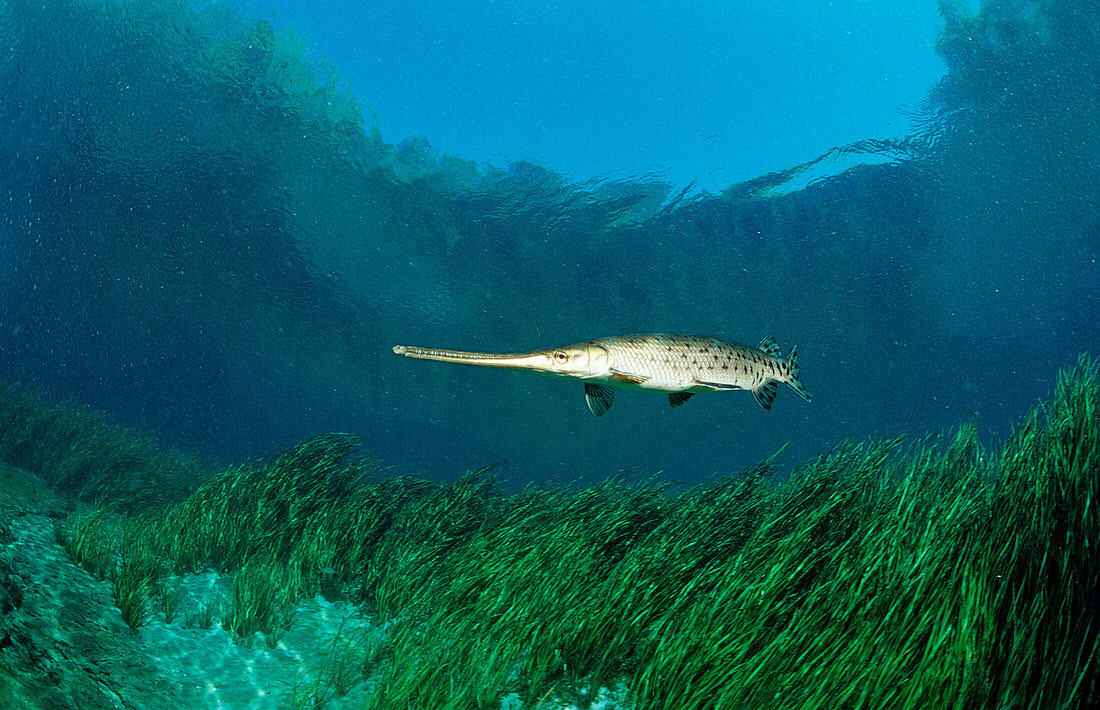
column 676, row 399
column 793, row 380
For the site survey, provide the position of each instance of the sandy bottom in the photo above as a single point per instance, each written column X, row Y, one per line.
column 64, row 645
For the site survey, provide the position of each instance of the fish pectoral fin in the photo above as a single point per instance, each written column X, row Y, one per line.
column 628, row 378
column 675, row 399
column 765, row 394
column 599, row 398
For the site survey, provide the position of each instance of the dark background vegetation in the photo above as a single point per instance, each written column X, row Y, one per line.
column 201, row 233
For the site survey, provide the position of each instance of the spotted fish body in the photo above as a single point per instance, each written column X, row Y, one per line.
column 681, row 365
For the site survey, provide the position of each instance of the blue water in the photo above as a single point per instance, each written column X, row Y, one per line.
column 708, row 92
column 215, row 234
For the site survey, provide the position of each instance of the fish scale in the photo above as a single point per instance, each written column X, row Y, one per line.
column 681, row 362
column 681, row 365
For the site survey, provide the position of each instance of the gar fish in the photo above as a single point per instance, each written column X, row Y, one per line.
column 678, row 364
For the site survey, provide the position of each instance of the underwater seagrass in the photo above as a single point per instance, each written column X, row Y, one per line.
column 678, row 364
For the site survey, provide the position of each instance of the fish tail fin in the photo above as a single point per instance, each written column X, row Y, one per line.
column 792, row 375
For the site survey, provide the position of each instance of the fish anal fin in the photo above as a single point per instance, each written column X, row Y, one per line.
column 627, row 378
column 675, row 399
column 765, row 394
column 599, row 398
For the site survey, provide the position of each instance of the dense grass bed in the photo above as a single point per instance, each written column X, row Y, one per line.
column 883, row 574
column 89, row 456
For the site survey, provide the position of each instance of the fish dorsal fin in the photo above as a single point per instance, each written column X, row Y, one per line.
column 768, row 345
column 765, row 395
column 675, row 399
column 599, row 398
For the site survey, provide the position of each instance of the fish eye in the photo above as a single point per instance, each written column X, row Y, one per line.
column 561, row 356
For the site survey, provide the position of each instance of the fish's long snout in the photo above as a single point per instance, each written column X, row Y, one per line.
column 578, row 361
column 536, row 361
